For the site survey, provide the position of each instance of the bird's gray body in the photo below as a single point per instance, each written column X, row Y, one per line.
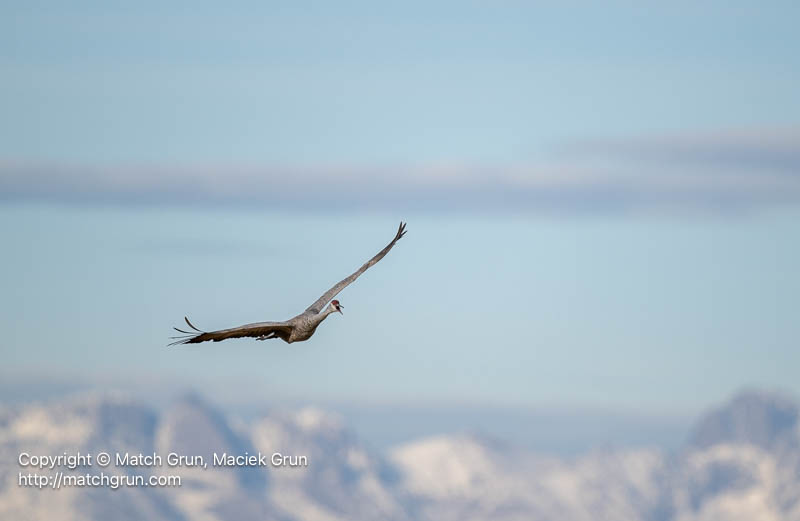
column 296, row 329
column 305, row 324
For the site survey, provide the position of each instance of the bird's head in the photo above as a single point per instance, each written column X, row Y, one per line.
column 335, row 306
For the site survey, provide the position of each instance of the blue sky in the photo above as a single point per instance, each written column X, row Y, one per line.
column 360, row 84
column 601, row 199
column 609, row 312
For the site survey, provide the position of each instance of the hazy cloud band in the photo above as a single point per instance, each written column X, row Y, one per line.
column 708, row 173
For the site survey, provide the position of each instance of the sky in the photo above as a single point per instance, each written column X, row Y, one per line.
column 601, row 198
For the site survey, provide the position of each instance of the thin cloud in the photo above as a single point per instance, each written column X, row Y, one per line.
column 765, row 150
column 733, row 171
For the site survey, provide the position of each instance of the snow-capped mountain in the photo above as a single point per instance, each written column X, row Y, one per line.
column 741, row 461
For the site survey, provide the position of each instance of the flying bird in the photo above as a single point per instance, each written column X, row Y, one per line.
column 295, row 329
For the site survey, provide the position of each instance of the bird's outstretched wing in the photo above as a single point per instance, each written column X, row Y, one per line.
column 317, row 306
column 259, row 329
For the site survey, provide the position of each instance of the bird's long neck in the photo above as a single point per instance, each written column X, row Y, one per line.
column 322, row 316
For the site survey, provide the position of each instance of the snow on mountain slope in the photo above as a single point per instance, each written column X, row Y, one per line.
column 466, row 478
column 192, row 427
column 343, row 479
column 82, row 424
column 742, row 462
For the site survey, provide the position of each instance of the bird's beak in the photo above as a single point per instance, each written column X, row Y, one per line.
column 339, row 309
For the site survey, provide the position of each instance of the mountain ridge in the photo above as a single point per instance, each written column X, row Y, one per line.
column 741, row 461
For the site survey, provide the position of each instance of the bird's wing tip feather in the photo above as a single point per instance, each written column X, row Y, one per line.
column 192, row 325
column 189, row 335
column 401, row 230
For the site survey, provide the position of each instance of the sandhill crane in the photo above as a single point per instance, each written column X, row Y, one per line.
column 295, row 329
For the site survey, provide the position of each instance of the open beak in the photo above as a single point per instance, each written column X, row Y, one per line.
column 339, row 309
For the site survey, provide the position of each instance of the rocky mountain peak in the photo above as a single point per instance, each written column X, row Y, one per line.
column 765, row 419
